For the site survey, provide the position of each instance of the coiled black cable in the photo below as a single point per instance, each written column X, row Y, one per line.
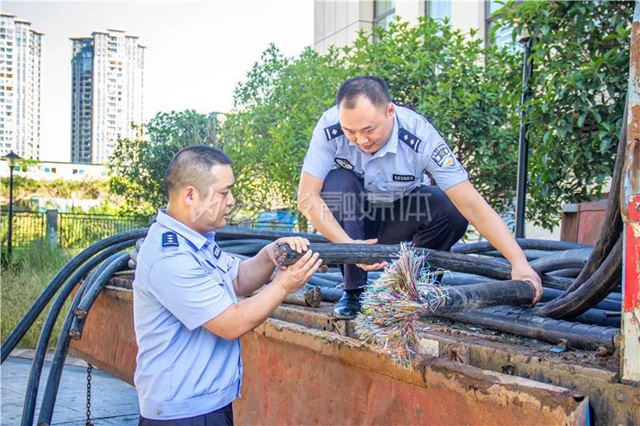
column 45, row 297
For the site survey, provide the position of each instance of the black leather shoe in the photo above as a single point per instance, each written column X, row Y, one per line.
column 348, row 306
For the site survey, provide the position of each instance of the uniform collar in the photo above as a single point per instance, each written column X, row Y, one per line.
column 197, row 239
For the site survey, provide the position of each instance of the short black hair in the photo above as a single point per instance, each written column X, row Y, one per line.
column 373, row 88
column 192, row 166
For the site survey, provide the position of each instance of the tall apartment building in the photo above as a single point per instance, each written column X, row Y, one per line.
column 107, row 93
column 20, row 82
column 337, row 23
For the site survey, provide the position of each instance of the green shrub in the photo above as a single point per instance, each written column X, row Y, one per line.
column 28, row 272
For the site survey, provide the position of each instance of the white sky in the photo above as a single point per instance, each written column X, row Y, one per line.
column 196, row 52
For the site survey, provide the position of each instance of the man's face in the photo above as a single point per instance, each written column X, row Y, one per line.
column 211, row 211
column 368, row 126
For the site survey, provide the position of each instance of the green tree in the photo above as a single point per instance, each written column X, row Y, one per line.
column 581, row 71
column 441, row 73
column 26, row 191
column 470, row 93
column 463, row 88
column 278, row 106
column 137, row 166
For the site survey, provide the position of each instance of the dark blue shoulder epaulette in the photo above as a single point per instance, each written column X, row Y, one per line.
column 170, row 239
column 409, row 138
column 334, row 131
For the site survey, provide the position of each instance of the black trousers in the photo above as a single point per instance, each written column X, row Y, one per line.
column 220, row 417
column 425, row 217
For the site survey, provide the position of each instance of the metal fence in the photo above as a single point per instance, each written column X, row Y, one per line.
column 70, row 229
column 81, row 230
column 27, row 227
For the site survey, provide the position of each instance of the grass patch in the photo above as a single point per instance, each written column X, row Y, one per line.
column 22, row 280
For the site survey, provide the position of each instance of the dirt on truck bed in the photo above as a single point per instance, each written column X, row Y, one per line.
column 602, row 359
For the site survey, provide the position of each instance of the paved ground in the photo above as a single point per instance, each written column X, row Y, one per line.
column 113, row 401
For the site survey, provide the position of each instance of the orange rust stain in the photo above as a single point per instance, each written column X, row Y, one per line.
column 108, row 339
column 296, row 375
column 629, row 209
column 287, row 383
column 634, row 125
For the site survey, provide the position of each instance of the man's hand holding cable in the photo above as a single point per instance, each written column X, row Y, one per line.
column 298, row 274
column 524, row 272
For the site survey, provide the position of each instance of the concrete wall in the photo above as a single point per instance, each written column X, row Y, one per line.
column 338, row 22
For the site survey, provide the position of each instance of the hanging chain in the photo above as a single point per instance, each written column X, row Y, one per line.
column 89, row 370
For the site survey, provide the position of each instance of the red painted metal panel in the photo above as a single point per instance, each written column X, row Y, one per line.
column 630, row 211
column 632, row 257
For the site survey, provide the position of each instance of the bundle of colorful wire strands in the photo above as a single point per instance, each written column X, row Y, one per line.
column 405, row 292
column 408, row 290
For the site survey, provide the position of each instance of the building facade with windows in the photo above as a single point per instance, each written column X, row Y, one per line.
column 20, row 83
column 337, row 23
column 107, row 93
column 53, row 170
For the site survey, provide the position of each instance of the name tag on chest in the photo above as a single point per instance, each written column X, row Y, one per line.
column 404, row 178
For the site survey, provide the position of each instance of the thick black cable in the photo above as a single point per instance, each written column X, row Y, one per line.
column 609, row 303
column 566, row 273
column 28, row 408
column 45, row 297
column 521, row 322
column 600, row 317
column 246, row 249
column 367, row 253
column 60, row 354
column 227, row 243
column 321, row 282
column 602, row 282
column 612, row 221
column 561, row 260
column 47, row 328
column 239, row 233
column 91, row 294
column 606, row 304
column 524, row 243
column 529, row 254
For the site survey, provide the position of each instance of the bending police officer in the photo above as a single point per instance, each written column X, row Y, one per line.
column 366, row 178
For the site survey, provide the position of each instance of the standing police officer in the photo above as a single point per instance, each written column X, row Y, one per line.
column 367, row 164
column 187, row 316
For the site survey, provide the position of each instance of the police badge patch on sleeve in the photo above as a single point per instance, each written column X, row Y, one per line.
column 344, row 163
column 443, row 156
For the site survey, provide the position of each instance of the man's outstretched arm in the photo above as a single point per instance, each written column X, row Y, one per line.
column 313, row 207
column 474, row 207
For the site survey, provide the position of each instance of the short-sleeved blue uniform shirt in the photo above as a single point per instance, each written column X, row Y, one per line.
column 183, row 279
column 415, row 147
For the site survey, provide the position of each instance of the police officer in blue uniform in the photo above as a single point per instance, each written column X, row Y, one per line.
column 187, row 316
column 366, row 178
